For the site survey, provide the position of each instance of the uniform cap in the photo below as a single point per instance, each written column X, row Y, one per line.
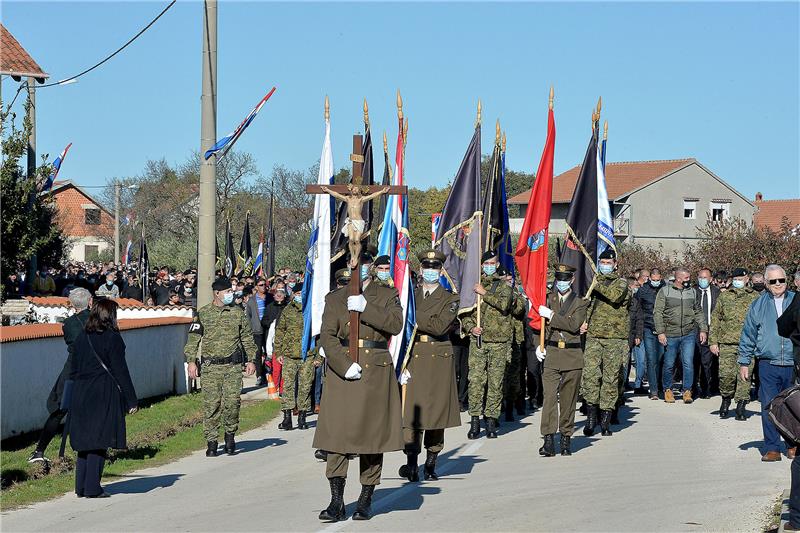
column 563, row 272
column 343, row 274
column 431, row 257
column 740, row 272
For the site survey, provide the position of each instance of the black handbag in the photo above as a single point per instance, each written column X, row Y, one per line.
column 66, row 395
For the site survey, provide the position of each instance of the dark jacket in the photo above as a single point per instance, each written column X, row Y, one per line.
column 133, row 291
column 647, row 301
column 715, row 292
column 789, row 326
column 98, row 408
column 637, row 321
column 271, row 314
column 159, row 293
column 72, row 327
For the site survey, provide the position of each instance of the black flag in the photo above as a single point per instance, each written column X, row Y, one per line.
column 492, row 227
column 581, row 240
column 339, row 239
column 144, row 268
column 230, row 259
column 244, row 261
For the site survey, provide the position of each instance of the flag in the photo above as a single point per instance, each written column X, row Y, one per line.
column 458, row 236
column 339, row 244
column 317, row 280
column 227, row 142
column 258, row 263
column 230, row 259
column 386, row 181
column 400, row 344
column 435, row 219
column 144, row 267
column 269, row 246
column 495, row 212
column 393, row 216
column 580, row 247
column 532, row 248
column 56, row 167
column 126, row 258
column 217, row 256
column 244, row 260
column 605, row 223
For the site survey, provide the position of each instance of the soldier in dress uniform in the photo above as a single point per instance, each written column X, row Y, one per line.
column 562, row 360
column 360, row 411
column 431, row 395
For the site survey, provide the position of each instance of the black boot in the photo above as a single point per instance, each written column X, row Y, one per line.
column 605, row 422
column 474, row 428
column 301, row 420
column 335, row 510
column 430, row 467
column 230, row 444
column 211, row 451
column 520, row 405
column 584, row 408
column 566, row 448
column 491, row 428
column 615, row 415
column 724, row 408
column 364, row 505
column 410, row 470
column 740, row 410
column 591, row 420
column 509, row 410
column 287, row 421
column 548, row 449
column 320, row 455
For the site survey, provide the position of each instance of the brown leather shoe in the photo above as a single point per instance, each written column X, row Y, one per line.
column 771, row 457
column 668, row 396
column 687, row 396
column 791, row 452
column 294, row 411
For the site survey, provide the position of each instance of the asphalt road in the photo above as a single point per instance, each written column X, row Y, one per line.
column 667, row 468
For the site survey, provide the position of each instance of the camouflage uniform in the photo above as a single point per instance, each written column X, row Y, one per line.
column 727, row 320
column 606, row 341
column 224, row 337
column 487, row 364
column 289, row 345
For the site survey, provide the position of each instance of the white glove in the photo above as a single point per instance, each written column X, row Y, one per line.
column 540, row 353
column 545, row 312
column 322, row 352
column 356, row 303
column 405, row 377
column 354, row 372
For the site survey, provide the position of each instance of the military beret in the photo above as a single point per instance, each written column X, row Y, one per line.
column 488, row 255
column 382, row 260
column 431, row 257
column 740, row 272
column 221, row 284
column 608, row 253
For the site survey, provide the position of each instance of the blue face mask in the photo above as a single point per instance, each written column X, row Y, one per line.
column 383, row 276
column 364, row 272
column 738, row 284
column 227, row 298
column 489, row 270
column 298, row 299
column 655, row 284
column 563, row 286
column 430, row 275
column 605, row 269
column 703, row 283
column 291, row 284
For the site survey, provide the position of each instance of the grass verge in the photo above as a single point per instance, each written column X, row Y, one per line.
column 157, row 434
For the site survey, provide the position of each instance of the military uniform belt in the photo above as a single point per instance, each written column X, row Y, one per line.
column 363, row 343
column 432, row 338
column 218, row 361
column 556, row 344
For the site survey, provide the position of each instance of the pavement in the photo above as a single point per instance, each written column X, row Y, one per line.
column 668, row 467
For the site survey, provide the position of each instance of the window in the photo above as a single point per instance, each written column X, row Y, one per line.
column 690, row 209
column 91, row 252
column 91, row 217
column 720, row 210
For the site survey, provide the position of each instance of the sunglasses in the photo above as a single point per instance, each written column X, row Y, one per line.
column 777, row 281
column 261, row 285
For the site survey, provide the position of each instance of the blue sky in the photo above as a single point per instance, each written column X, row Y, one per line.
column 715, row 81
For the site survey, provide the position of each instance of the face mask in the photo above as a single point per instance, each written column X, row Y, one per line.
column 489, row 270
column 109, row 283
column 291, row 284
column 227, row 298
column 605, row 269
column 655, row 284
column 759, row 286
column 685, row 284
column 364, row 272
column 188, row 290
column 635, row 290
column 562, row 286
column 703, row 283
column 298, row 299
column 738, row 284
column 430, row 275
column 383, row 276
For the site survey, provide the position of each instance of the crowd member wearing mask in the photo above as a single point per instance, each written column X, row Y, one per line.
column 109, row 289
column 636, row 334
column 757, row 280
column 677, row 314
column 383, row 274
column 654, row 351
column 43, row 283
column 707, row 294
column 271, row 314
column 188, row 293
column 133, row 290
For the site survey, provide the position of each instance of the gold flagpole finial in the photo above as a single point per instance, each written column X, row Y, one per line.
column 327, row 108
column 504, row 141
column 385, row 144
column 497, row 132
column 478, row 120
column 599, row 106
column 550, row 102
column 399, row 106
column 605, row 130
column 366, row 113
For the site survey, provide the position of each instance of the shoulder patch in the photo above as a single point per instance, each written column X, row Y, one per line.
column 196, row 327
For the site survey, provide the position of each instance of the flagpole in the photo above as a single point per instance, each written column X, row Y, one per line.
column 543, row 324
column 479, row 300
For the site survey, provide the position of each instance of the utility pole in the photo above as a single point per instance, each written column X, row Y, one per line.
column 207, row 233
column 116, row 221
column 34, row 261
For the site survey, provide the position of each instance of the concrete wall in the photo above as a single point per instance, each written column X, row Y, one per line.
column 76, row 246
column 29, row 368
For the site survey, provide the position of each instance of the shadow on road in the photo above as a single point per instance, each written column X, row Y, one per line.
column 140, row 485
column 410, row 500
column 253, row 445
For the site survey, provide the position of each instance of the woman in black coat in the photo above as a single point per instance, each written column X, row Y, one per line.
column 102, row 394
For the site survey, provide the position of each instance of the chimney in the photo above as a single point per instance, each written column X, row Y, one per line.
column 759, row 197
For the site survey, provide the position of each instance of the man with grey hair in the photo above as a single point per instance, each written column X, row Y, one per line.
column 81, row 301
column 773, row 353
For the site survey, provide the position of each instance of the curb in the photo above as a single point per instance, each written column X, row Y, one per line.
column 784, row 511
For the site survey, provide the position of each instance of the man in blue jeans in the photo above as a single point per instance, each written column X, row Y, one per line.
column 760, row 339
column 654, row 352
column 677, row 315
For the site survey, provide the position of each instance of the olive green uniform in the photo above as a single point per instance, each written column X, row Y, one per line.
column 288, row 344
column 223, row 335
column 727, row 320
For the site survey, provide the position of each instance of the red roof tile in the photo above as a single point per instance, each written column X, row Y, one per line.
column 124, row 303
column 41, row 331
column 14, row 60
column 621, row 179
column 770, row 213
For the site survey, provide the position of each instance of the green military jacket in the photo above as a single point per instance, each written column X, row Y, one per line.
column 289, row 332
column 222, row 330
column 608, row 312
column 565, row 327
column 727, row 318
column 499, row 305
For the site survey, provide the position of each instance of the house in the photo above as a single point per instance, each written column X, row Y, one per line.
column 653, row 202
column 87, row 226
column 772, row 214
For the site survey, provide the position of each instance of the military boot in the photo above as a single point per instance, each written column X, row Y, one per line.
column 591, row 420
column 410, row 470
column 566, row 445
column 548, row 449
column 287, row 421
column 724, row 408
column 605, row 422
column 364, row 504
column 615, row 415
column 335, row 510
column 211, row 451
column 230, row 444
column 509, row 410
column 740, row 410
column 301, row 420
column 474, row 428
column 491, row 428
column 584, row 408
column 430, row 467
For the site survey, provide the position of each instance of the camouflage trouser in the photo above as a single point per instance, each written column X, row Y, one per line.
column 302, row 372
column 487, row 366
column 601, row 371
column 222, row 389
column 511, row 381
column 730, row 384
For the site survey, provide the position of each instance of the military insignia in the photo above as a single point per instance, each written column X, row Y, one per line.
column 431, row 255
column 454, row 307
column 536, row 241
column 196, row 327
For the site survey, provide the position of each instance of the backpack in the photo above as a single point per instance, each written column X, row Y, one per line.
column 784, row 412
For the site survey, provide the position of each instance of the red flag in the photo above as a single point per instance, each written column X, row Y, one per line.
column 531, row 251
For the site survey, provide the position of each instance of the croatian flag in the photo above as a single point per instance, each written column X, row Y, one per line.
column 227, row 142
column 317, row 280
column 605, row 224
column 258, row 264
column 56, row 167
column 127, row 257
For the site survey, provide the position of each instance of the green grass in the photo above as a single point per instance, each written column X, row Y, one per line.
column 157, row 434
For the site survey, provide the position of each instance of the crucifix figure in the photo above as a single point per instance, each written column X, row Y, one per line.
column 354, row 225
